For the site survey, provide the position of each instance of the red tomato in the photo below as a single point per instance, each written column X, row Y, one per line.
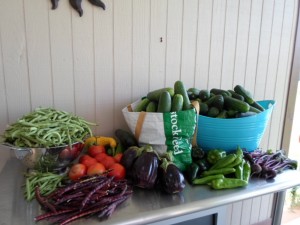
column 77, row 171
column 87, row 160
column 96, row 149
column 101, row 157
column 97, row 168
column 117, row 170
column 108, row 161
column 118, row 157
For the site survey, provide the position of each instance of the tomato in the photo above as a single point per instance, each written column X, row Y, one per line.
column 87, row 160
column 118, row 157
column 108, row 161
column 101, row 157
column 96, row 149
column 117, row 170
column 97, row 168
column 77, row 171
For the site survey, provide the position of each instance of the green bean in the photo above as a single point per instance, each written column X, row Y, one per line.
column 46, row 127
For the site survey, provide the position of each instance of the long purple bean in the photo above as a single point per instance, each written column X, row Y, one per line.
column 88, row 196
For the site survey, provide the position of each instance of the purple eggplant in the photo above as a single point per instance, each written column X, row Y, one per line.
column 170, row 177
column 145, row 169
column 129, row 157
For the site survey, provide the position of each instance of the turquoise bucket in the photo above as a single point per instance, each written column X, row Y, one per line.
column 227, row 134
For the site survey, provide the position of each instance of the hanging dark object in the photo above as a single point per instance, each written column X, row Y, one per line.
column 76, row 4
column 54, row 4
column 98, row 3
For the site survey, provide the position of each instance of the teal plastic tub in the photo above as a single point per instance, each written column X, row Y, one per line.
column 227, row 134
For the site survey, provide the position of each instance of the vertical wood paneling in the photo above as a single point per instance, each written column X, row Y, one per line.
column 62, row 57
column 264, row 206
column 264, row 46
column 104, row 71
column 203, row 43
column 189, row 37
column 284, row 66
column 242, row 42
column 14, row 53
column 174, row 39
column 246, row 209
column 263, row 57
column 231, row 21
column 229, row 214
column 3, row 110
column 273, row 57
column 38, row 51
column 255, row 209
column 157, row 49
column 122, row 58
column 253, row 44
column 217, row 44
column 236, row 213
column 83, row 62
column 140, row 48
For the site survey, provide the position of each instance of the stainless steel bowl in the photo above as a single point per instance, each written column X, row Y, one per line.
column 47, row 159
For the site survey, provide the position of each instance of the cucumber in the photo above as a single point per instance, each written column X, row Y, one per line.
column 142, row 105
column 126, row 138
column 193, row 93
column 213, row 112
column 231, row 113
column 179, row 88
column 203, row 108
column 177, row 103
column 246, row 114
column 235, row 104
column 154, row 95
column 222, row 114
column 216, row 101
column 253, row 109
column 151, row 107
column 204, row 95
column 236, row 95
column 217, row 91
column 164, row 102
column 246, row 94
column 258, row 106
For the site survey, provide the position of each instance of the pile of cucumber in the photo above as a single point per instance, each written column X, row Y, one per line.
column 221, row 103
column 168, row 99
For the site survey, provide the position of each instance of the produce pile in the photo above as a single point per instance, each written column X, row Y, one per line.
column 47, row 127
column 222, row 170
column 109, row 168
column 220, row 103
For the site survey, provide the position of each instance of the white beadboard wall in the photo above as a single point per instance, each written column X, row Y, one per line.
column 96, row 64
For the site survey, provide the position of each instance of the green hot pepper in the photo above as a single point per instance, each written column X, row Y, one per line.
column 208, row 179
column 227, row 183
column 214, row 155
column 224, row 162
column 246, row 171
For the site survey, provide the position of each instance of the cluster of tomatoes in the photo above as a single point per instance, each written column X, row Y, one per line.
column 97, row 161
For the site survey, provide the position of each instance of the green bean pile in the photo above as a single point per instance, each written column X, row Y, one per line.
column 47, row 183
column 47, row 127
